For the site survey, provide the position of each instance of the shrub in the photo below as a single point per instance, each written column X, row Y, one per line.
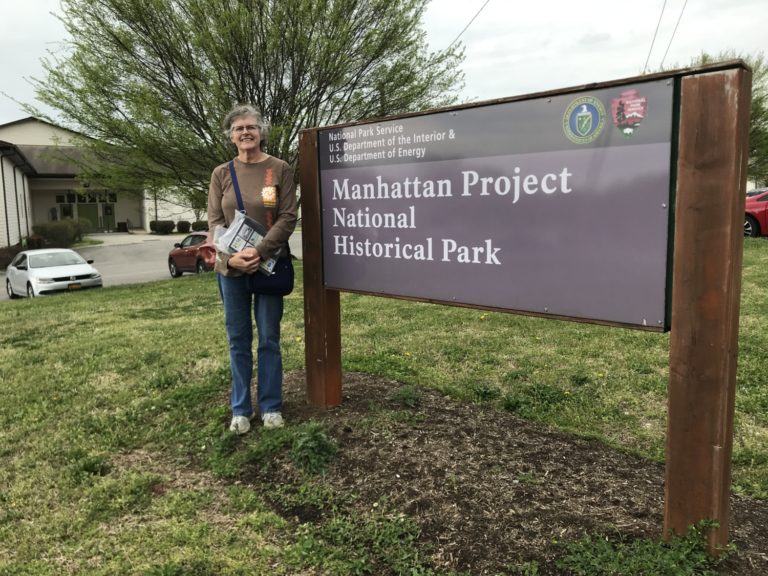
column 35, row 241
column 164, row 226
column 198, row 225
column 81, row 227
column 8, row 253
column 183, row 226
column 153, row 225
column 59, row 234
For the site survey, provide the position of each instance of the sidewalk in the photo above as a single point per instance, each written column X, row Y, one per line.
column 134, row 237
column 140, row 236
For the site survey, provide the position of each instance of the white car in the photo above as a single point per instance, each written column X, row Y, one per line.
column 35, row 272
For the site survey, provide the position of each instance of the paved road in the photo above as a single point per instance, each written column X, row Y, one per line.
column 132, row 263
column 136, row 258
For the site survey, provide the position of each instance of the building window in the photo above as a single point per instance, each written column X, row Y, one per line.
column 60, row 199
column 66, row 211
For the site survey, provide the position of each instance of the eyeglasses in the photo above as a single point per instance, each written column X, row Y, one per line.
column 247, row 127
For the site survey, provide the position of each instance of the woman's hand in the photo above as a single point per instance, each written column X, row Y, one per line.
column 246, row 260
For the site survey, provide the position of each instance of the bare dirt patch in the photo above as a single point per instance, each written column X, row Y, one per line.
column 489, row 490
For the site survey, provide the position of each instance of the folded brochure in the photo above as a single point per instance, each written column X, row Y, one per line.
column 247, row 233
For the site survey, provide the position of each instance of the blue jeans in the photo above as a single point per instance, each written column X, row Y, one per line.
column 239, row 299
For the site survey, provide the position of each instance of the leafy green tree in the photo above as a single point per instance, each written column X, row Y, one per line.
column 757, row 163
column 147, row 82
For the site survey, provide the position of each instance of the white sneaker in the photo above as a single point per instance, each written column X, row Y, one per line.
column 272, row 420
column 240, row 424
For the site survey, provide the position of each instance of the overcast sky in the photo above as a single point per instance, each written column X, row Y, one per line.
column 513, row 47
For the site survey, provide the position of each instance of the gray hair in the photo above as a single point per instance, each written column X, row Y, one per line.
column 242, row 111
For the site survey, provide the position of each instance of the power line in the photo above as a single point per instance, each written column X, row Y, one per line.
column 654, row 36
column 470, row 23
column 673, row 33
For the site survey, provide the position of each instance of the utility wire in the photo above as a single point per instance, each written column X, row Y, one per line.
column 470, row 23
column 673, row 34
column 654, row 36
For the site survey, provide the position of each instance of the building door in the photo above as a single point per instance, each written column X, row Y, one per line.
column 89, row 212
column 108, row 221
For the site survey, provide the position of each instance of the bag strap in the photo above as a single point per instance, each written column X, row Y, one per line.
column 233, row 174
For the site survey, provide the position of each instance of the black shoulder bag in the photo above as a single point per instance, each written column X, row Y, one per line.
column 280, row 282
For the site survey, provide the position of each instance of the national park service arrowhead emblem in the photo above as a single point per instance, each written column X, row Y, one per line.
column 628, row 111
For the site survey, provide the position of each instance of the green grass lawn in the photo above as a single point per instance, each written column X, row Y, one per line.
column 112, row 397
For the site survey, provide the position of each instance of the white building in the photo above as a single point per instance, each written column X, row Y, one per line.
column 15, row 217
column 39, row 183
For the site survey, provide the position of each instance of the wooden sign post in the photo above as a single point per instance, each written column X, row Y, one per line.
column 709, row 229
column 322, row 314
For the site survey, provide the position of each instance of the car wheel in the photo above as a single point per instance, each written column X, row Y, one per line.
column 11, row 293
column 200, row 267
column 175, row 272
column 751, row 227
column 30, row 291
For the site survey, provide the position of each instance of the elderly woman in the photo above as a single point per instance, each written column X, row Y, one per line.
column 268, row 196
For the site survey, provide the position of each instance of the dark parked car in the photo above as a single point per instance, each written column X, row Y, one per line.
column 756, row 217
column 193, row 254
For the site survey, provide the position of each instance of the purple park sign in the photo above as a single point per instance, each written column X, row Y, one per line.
column 555, row 206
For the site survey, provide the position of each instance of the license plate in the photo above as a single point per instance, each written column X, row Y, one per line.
column 75, row 286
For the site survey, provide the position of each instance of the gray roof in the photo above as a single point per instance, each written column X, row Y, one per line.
column 58, row 161
column 8, row 150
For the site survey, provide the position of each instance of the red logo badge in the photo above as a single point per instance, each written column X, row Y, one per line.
column 628, row 111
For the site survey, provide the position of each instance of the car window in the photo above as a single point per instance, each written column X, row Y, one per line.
column 20, row 260
column 198, row 240
column 753, row 193
column 55, row 259
column 190, row 241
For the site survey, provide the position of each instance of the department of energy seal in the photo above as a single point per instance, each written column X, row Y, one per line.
column 584, row 120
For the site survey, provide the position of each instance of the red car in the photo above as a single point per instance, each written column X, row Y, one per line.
column 193, row 254
column 756, row 218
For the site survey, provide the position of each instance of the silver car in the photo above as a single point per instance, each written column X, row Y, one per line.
column 35, row 272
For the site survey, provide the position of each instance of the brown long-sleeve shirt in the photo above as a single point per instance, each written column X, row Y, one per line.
column 269, row 197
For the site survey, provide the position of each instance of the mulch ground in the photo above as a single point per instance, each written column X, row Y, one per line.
column 489, row 490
